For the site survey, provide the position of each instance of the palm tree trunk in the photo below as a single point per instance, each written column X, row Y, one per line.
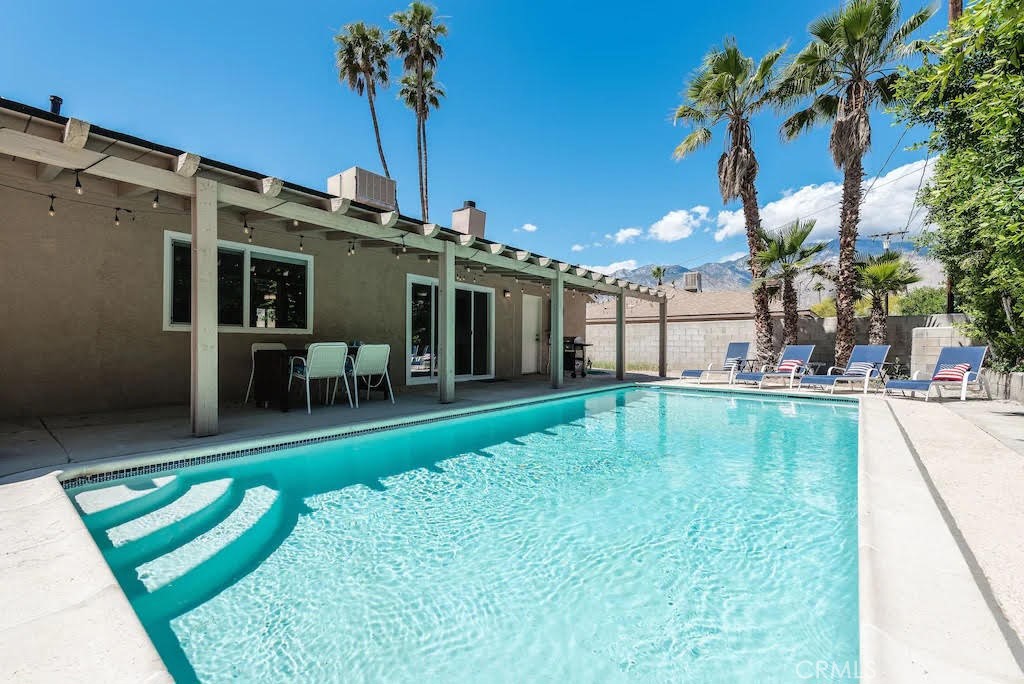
column 426, row 178
column 847, row 280
column 879, row 320
column 789, row 317
column 419, row 166
column 762, row 306
column 376, row 132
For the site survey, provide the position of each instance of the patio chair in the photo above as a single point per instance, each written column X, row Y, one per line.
column 371, row 360
column 865, row 364
column 956, row 366
column 795, row 358
column 735, row 356
column 323, row 361
column 259, row 346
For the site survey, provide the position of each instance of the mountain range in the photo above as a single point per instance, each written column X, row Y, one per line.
column 734, row 275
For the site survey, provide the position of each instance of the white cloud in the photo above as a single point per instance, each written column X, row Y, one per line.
column 733, row 257
column 628, row 265
column 578, row 248
column 527, row 228
column 678, row 224
column 626, row 235
column 885, row 208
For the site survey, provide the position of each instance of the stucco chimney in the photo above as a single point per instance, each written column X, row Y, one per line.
column 55, row 102
column 469, row 219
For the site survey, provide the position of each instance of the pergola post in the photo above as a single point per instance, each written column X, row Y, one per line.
column 557, row 331
column 446, row 323
column 204, row 308
column 662, row 339
column 620, row 336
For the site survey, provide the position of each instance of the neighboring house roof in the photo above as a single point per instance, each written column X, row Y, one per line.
column 684, row 305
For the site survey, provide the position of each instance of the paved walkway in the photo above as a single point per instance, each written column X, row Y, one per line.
column 31, row 444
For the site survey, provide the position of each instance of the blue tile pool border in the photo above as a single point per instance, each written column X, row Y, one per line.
column 163, row 462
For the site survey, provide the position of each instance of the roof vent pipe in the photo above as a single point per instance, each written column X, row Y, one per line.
column 468, row 203
column 55, row 102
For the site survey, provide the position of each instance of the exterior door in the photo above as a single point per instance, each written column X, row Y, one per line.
column 531, row 334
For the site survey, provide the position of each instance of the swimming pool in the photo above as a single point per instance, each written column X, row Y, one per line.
column 627, row 535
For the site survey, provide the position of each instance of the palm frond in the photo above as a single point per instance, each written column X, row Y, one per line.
column 693, row 142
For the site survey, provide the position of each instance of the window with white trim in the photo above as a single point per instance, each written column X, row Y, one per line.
column 257, row 288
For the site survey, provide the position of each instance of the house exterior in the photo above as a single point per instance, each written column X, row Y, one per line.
column 140, row 274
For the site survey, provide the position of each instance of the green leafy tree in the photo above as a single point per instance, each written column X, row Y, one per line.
column 847, row 69
column 729, row 88
column 417, row 40
column 658, row 273
column 362, row 61
column 880, row 276
column 923, row 301
column 972, row 96
column 784, row 257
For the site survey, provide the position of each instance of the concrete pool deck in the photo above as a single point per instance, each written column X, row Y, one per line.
column 939, row 545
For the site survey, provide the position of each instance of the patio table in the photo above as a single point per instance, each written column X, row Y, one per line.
column 270, row 375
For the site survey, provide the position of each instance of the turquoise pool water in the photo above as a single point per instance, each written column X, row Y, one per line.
column 625, row 536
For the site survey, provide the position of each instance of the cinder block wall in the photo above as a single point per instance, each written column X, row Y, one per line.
column 695, row 344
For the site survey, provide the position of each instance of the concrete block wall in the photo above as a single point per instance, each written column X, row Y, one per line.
column 928, row 342
column 695, row 344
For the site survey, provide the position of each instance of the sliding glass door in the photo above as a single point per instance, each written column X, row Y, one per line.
column 474, row 331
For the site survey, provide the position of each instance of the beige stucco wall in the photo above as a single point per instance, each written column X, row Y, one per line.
column 83, row 308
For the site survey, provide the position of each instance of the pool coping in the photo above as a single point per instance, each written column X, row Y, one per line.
column 887, row 477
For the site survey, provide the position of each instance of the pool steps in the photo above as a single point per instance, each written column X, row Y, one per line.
column 230, row 528
column 178, row 531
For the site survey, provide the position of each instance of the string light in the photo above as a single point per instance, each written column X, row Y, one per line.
column 156, row 200
column 295, row 222
column 117, row 216
column 52, row 210
column 245, row 225
column 252, row 232
column 301, row 248
column 78, row 185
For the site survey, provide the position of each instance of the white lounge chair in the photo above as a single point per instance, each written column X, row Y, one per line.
column 371, row 360
column 323, row 361
column 259, row 346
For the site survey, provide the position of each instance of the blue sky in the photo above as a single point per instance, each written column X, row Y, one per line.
column 557, row 115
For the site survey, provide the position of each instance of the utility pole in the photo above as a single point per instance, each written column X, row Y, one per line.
column 956, row 10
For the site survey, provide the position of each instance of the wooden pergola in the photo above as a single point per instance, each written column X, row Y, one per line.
column 53, row 145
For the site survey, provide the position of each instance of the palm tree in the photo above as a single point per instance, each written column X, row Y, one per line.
column 879, row 276
column 417, row 40
column 362, row 61
column 784, row 257
column 728, row 88
column 848, row 68
column 658, row 273
column 430, row 93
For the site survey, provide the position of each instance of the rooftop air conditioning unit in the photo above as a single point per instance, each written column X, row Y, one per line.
column 691, row 281
column 360, row 185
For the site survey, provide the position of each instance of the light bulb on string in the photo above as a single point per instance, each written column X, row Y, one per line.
column 156, row 200
column 52, row 210
column 252, row 232
column 117, row 216
column 78, row 184
column 301, row 248
column 245, row 224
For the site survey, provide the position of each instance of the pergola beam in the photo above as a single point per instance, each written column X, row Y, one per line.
column 318, row 214
column 76, row 134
